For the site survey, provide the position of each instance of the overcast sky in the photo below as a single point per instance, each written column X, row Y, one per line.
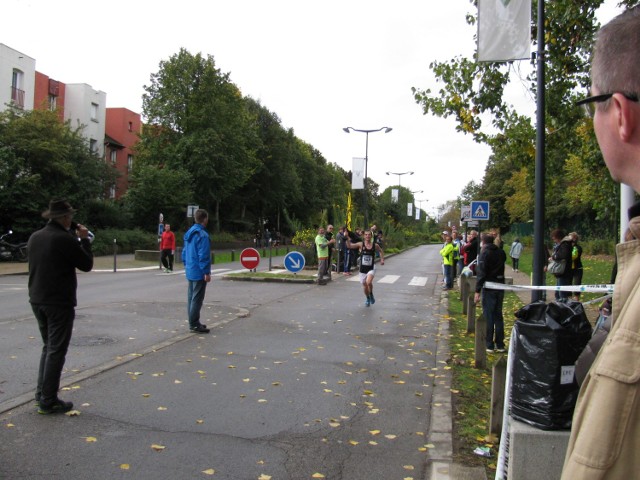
column 320, row 66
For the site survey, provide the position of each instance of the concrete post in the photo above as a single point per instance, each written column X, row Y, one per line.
column 481, row 342
column 498, row 381
column 471, row 314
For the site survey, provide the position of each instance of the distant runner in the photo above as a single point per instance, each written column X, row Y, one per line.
column 367, row 263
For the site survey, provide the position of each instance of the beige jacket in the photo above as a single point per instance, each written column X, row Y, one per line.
column 605, row 434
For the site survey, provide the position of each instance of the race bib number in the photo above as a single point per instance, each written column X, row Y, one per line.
column 367, row 260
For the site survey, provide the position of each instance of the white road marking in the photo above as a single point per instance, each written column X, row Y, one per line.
column 418, row 281
column 389, row 279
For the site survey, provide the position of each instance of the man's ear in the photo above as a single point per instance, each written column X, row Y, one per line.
column 628, row 116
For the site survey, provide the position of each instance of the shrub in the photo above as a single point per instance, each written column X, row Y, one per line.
column 128, row 241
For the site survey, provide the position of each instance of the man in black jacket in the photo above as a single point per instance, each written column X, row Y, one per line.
column 490, row 268
column 55, row 252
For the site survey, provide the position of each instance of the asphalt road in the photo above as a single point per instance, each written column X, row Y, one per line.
column 294, row 381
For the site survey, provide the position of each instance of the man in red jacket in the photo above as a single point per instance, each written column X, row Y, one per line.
column 167, row 248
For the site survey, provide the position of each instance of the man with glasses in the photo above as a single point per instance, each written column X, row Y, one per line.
column 605, row 435
column 55, row 252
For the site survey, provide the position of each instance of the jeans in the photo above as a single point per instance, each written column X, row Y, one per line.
column 195, row 297
column 560, row 282
column 448, row 276
column 492, row 311
column 347, row 260
column 56, row 325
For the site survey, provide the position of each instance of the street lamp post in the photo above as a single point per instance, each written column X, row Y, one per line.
column 399, row 175
column 366, row 162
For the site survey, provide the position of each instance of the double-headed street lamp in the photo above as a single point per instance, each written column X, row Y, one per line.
column 366, row 161
column 399, row 175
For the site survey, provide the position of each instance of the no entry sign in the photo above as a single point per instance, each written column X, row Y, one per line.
column 250, row 258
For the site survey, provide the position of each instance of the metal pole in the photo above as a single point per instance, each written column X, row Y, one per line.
column 539, row 254
column 364, row 189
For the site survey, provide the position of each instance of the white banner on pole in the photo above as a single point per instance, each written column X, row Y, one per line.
column 417, row 214
column 394, row 195
column 504, row 30
column 409, row 209
column 357, row 173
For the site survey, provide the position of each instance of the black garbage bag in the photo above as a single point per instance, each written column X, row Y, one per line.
column 548, row 339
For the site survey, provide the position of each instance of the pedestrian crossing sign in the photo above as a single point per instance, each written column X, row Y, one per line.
column 480, row 210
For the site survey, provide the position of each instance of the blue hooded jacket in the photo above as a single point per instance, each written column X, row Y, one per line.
column 196, row 253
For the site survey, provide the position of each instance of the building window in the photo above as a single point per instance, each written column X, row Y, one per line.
column 17, row 92
column 129, row 162
column 112, row 191
column 53, row 102
column 94, row 112
column 114, row 156
column 93, row 146
column 130, row 126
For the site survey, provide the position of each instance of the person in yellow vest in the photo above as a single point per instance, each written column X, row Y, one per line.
column 447, row 260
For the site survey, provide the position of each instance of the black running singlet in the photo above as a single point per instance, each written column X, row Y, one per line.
column 367, row 257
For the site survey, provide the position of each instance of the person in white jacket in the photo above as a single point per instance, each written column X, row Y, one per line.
column 514, row 252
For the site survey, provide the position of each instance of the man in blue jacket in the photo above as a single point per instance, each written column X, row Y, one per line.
column 196, row 256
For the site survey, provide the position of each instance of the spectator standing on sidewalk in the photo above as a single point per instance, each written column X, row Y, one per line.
column 576, row 263
column 55, row 252
column 322, row 249
column 446, row 252
column 605, row 432
column 167, row 248
column 562, row 245
column 490, row 268
column 196, row 257
column 514, row 252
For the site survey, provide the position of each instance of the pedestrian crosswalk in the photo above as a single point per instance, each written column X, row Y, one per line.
column 391, row 279
column 383, row 279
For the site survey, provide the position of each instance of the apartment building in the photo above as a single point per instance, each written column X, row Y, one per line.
column 111, row 133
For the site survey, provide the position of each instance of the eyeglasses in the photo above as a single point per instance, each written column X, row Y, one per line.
column 589, row 103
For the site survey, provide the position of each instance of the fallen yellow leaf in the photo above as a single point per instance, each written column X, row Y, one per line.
column 209, row 471
column 90, row 439
column 317, row 475
column 158, row 448
column 124, row 466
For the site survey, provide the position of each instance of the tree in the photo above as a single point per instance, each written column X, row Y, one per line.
column 473, row 93
column 155, row 190
column 200, row 124
column 40, row 159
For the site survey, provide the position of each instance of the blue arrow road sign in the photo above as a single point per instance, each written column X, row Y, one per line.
column 294, row 262
column 480, row 210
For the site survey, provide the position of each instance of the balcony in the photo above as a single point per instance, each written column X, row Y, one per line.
column 17, row 97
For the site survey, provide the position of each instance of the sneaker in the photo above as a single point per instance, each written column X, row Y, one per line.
column 200, row 329
column 490, row 350
column 500, row 350
column 372, row 300
column 367, row 302
column 58, row 406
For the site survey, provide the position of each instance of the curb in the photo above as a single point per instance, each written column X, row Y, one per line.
column 441, row 425
column 28, row 397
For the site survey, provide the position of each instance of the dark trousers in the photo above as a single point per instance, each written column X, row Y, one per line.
column 492, row 311
column 56, row 325
column 448, row 276
column 561, row 282
column 166, row 257
column 195, row 298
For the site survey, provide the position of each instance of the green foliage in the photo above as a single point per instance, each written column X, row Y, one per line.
column 155, row 190
column 577, row 183
column 40, row 159
column 127, row 241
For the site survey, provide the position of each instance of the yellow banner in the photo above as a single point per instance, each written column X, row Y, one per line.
column 349, row 212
